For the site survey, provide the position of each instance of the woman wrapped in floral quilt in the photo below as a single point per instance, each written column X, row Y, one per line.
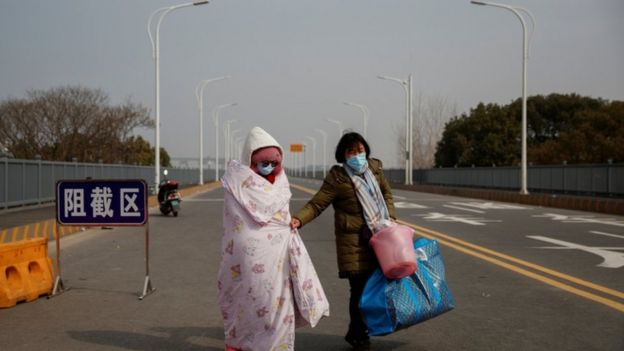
column 267, row 283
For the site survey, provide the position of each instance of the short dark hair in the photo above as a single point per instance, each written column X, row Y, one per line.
column 348, row 140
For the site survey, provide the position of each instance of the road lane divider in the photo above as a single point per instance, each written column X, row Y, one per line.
column 517, row 265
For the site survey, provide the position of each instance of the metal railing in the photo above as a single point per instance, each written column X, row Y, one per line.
column 32, row 182
column 587, row 179
column 583, row 179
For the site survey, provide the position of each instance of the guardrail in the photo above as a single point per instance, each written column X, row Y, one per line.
column 32, row 182
column 585, row 179
column 590, row 179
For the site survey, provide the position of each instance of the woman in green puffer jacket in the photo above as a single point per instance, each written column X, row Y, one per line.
column 356, row 259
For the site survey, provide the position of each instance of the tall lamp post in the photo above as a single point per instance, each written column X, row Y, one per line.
column 364, row 112
column 232, row 150
column 324, row 134
column 407, row 86
column 155, row 55
column 313, row 155
column 291, row 162
column 525, row 56
column 199, row 93
column 226, row 141
column 304, row 161
column 338, row 123
column 215, row 118
column 238, row 146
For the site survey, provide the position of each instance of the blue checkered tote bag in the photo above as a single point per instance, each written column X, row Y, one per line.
column 389, row 305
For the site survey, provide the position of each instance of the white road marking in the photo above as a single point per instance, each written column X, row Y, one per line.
column 607, row 234
column 463, row 209
column 611, row 259
column 490, row 205
column 399, row 197
column 581, row 219
column 440, row 217
column 402, row 204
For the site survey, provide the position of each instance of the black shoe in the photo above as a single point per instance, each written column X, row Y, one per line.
column 359, row 343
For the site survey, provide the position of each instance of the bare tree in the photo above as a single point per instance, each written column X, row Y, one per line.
column 67, row 122
column 429, row 117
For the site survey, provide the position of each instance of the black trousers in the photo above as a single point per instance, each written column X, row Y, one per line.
column 357, row 327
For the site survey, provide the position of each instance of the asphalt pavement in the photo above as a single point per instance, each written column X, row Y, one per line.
column 499, row 305
column 22, row 216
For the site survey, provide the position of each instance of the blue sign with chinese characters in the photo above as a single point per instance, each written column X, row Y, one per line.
column 101, row 202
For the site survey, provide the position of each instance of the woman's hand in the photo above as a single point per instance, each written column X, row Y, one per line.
column 295, row 223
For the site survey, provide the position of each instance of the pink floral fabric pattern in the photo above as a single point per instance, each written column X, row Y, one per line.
column 267, row 282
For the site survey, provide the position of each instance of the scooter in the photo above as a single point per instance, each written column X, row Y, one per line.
column 168, row 196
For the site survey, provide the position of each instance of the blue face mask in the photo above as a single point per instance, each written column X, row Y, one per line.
column 357, row 162
column 265, row 170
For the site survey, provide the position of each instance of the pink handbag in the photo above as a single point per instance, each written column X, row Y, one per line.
column 394, row 248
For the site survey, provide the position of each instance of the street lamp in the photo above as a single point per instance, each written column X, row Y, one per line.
column 215, row 118
column 199, row 93
column 364, row 111
column 232, row 146
column 340, row 129
column 407, row 86
column 287, row 162
column 226, row 141
column 324, row 150
column 305, row 168
column 294, row 163
column 525, row 56
column 155, row 55
column 313, row 155
column 238, row 146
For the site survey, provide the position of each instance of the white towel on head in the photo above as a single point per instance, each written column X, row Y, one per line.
column 256, row 139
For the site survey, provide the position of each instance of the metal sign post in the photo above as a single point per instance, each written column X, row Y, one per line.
column 147, row 286
column 102, row 203
column 58, row 283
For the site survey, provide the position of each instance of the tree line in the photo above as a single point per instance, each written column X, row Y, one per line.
column 561, row 128
column 76, row 123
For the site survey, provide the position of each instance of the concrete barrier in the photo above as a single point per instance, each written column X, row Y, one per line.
column 25, row 271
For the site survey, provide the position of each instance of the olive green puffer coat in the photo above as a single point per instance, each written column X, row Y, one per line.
column 355, row 256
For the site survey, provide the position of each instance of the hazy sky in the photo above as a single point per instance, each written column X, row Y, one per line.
column 293, row 62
